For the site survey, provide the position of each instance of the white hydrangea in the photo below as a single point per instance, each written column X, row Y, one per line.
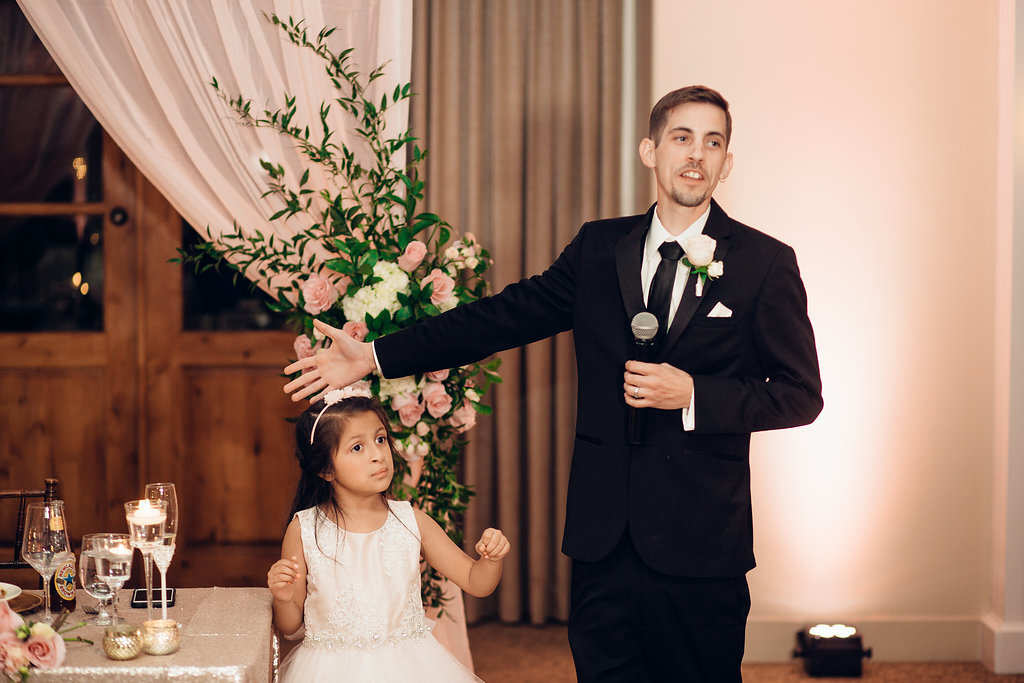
column 449, row 303
column 389, row 388
column 376, row 298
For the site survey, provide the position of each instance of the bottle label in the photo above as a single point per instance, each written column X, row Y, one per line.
column 57, row 523
column 64, row 579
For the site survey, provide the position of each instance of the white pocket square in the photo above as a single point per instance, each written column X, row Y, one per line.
column 720, row 311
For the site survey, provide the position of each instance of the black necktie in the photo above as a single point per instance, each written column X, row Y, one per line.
column 659, row 300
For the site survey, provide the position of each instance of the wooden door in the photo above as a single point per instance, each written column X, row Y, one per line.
column 135, row 396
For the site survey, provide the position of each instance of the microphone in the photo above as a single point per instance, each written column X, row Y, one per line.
column 645, row 328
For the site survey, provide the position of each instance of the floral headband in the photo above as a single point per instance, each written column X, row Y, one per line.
column 360, row 389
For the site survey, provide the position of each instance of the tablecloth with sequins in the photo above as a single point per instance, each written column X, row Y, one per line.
column 226, row 636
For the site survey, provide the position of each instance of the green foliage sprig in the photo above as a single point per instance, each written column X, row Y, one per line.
column 366, row 261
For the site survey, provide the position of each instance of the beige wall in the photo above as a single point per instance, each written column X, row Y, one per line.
column 865, row 136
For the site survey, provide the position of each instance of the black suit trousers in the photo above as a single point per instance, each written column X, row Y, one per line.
column 631, row 624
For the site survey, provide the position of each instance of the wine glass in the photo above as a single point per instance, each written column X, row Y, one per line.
column 146, row 519
column 45, row 544
column 105, row 565
column 163, row 553
column 91, row 583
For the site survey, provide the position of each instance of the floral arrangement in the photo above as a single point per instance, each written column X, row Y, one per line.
column 30, row 645
column 368, row 263
column 700, row 255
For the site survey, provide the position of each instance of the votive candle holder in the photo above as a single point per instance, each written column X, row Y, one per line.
column 122, row 641
column 161, row 636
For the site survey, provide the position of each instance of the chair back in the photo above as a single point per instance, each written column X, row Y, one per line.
column 47, row 493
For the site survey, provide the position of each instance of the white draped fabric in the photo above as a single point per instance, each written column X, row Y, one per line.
column 144, row 70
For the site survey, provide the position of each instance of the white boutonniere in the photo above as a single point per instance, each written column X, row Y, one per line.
column 699, row 255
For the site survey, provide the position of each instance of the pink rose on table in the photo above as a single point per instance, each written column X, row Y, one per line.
column 355, row 329
column 700, row 250
column 409, row 409
column 437, row 399
column 46, row 653
column 319, row 294
column 413, row 256
column 438, row 375
column 9, row 619
column 463, row 418
column 15, row 657
column 443, row 286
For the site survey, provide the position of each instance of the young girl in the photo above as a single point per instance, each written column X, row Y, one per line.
column 350, row 571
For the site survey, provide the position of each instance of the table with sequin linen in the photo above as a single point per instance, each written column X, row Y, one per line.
column 226, row 636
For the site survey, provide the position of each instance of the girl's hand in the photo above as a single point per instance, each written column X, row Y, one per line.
column 281, row 579
column 493, row 545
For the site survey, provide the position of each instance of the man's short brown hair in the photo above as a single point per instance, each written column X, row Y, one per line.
column 693, row 93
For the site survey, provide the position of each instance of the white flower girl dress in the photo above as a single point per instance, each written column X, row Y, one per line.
column 364, row 619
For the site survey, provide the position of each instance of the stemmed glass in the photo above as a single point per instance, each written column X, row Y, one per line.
column 91, row 583
column 146, row 520
column 163, row 553
column 104, row 566
column 45, row 544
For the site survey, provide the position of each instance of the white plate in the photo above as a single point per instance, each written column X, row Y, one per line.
column 10, row 589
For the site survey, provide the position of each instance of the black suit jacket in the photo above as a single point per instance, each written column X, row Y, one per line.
column 684, row 496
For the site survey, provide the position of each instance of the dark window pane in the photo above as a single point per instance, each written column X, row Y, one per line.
column 51, row 273
column 20, row 49
column 52, row 147
column 214, row 301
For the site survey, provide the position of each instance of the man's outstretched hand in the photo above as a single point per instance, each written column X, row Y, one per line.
column 344, row 362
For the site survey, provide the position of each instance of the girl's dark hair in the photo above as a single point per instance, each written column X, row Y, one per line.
column 316, row 458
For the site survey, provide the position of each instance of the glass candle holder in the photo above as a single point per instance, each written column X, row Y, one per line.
column 161, row 636
column 122, row 641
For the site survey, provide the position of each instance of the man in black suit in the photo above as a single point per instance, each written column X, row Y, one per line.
column 660, row 533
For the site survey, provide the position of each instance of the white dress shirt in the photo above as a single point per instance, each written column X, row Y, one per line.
column 655, row 237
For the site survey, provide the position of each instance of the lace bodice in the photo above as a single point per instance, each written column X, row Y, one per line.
column 362, row 589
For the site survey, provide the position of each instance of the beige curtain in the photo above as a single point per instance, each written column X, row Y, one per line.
column 520, row 107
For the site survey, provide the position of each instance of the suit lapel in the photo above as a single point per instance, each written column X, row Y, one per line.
column 629, row 256
column 717, row 228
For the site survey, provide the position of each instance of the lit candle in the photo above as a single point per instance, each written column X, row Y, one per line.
column 147, row 514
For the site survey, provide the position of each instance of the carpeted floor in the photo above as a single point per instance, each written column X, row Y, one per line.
column 540, row 654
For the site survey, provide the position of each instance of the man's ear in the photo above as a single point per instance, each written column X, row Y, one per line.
column 726, row 167
column 647, row 152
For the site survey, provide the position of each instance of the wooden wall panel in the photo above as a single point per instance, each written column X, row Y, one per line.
column 52, row 425
column 239, row 466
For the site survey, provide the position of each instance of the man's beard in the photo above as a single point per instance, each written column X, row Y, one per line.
column 688, row 199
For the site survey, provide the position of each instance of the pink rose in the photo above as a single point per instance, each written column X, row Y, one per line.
column 409, row 409
column 319, row 294
column 463, row 418
column 356, row 330
column 437, row 399
column 9, row 619
column 303, row 349
column 15, row 657
column 413, row 256
column 443, row 286
column 438, row 375
column 46, row 653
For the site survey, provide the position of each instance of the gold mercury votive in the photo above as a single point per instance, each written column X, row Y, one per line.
column 122, row 641
column 161, row 636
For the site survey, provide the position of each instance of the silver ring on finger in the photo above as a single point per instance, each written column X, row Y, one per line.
column 636, row 392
